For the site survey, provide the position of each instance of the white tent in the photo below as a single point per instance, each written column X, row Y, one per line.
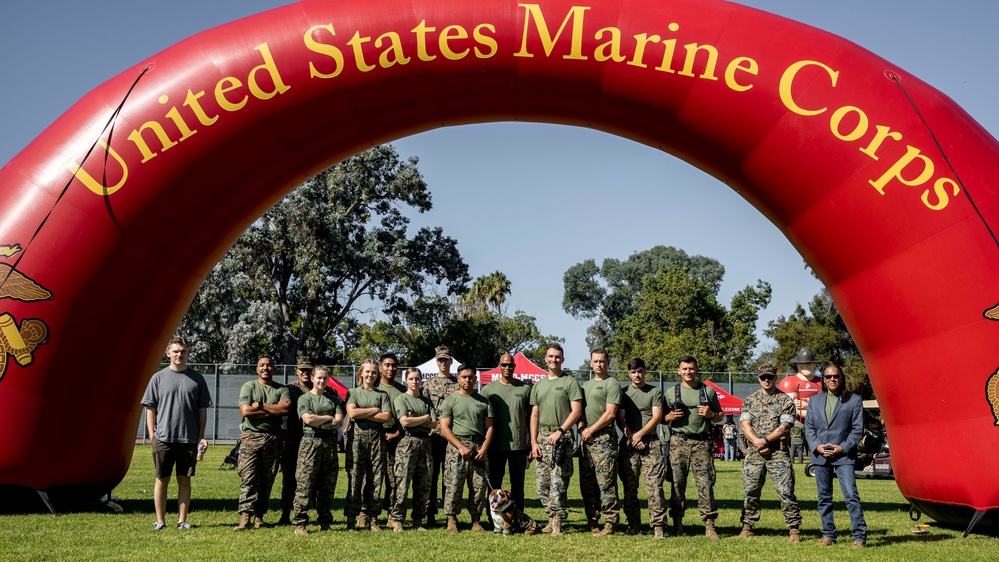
column 429, row 368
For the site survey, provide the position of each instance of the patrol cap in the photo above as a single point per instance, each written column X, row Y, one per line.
column 304, row 364
column 443, row 352
column 766, row 369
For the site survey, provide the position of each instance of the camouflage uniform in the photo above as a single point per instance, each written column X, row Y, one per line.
column 258, row 454
column 414, row 459
column 318, row 463
column 553, row 480
column 765, row 413
column 598, row 476
column 690, row 451
column 437, row 388
column 598, row 462
column 289, row 452
column 260, row 448
column 366, row 455
column 388, row 477
column 458, row 471
column 414, row 463
column 650, row 463
column 637, row 408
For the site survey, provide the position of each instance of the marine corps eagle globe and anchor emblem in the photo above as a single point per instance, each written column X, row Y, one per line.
column 19, row 341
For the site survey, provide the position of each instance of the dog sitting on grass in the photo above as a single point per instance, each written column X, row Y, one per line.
column 507, row 517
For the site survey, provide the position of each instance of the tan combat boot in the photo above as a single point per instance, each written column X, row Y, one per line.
column 607, row 530
column 795, row 535
column 747, row 531
column 709, row 529
column 258, row 521
column 593, row 525
column 477, row 523
column 557, row 526
column 418, row 525
column 452, row 524
column 374, row 525
column 396, row 526
column 301, row 530
column 547, row 528
column 362, row 520
column 659, row 534
column 244, row 522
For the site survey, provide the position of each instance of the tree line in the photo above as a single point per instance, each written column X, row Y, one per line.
column 340, row 247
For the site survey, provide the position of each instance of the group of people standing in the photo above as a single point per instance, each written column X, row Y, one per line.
column 403, row 437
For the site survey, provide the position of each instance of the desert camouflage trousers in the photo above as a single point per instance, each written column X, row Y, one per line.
column 649, row 466
column 365, row 461
column 458, row 472
column 413, row 464
column 598, row 476
column 694, row 456
column 754, row 473
column 258, row 454
column 552, row 479
column 316, row 473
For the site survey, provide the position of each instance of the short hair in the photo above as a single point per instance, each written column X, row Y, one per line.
column 466, row 367
column 387, row 356
column 555, row 345
column 599, row 351
column 636, row 363
column 687, row 359
column 412, row 370
column 177, row 340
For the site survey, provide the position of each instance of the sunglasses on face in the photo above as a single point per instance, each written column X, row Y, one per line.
column 767, row 377
column 831, row 377
column 508, row 364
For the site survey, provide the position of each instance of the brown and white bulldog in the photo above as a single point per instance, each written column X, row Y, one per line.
column 507, row 517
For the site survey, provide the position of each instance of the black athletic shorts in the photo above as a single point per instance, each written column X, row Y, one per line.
column 166, row 455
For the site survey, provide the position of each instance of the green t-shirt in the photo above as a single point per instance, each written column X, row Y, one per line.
column 831, row 400
column 468, row 414
column 637, row 404
column 325, row 404
column 511, row 414
column 692, row 423
column 419, row 406
column 393, row 391
column 554, row 398
column 596, row 395
column 798, row 433
column 253, row 391
column 362, row 397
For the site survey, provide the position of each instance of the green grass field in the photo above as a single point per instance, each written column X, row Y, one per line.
column 129, row 535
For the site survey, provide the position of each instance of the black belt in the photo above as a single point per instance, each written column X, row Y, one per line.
column 368, row 425
column 418, row 435
column 696, row 437
column 551, row 428
column 472, row 438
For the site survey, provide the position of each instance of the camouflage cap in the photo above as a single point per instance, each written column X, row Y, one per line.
column 304, row 364
column 443, row 352
column 766, row 369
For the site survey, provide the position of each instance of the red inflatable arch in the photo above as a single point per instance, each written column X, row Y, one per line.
column 837, row 147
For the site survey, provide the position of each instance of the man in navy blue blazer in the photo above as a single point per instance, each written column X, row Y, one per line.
column 834, row 425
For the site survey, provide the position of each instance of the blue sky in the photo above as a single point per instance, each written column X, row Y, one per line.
column 527, row 199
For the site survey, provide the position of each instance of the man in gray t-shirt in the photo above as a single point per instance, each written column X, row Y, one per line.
column 176, row 402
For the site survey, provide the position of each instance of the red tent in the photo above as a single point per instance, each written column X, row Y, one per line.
column 730, row 404
column 525, row 370
column 338, row 387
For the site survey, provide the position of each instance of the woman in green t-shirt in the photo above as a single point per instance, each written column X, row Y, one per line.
column 368, row 409
column 321, row 413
